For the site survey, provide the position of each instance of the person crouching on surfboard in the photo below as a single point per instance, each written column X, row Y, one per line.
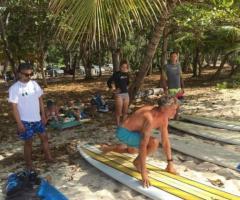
column 136, row 133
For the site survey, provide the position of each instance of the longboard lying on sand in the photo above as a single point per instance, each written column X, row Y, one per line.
column 165, row 186
column 207, row 152
column 221, row 135
column 230, row 125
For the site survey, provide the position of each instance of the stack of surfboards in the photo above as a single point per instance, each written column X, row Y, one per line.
column 165, row 186
column 223, row 132
column 229, row 125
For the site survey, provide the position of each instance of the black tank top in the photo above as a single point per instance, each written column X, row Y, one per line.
column 121, row 81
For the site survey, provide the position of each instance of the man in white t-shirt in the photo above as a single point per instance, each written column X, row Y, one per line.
column 26, row 100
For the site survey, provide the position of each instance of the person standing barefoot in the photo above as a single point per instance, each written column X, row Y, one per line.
column 27, row 105
column 121, row 81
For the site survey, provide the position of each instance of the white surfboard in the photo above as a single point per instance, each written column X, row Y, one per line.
column 216, row 134
column 207, row 152
column 165, row 186
column 230, row 125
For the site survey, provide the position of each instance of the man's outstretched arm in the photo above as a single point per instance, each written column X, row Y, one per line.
column 167, row 148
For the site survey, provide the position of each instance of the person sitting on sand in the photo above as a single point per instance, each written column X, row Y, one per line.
column 26, row 98
column 136, row 133
column 74, row 109
column 52, row 112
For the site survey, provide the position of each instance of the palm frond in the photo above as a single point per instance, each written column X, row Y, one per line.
column 100, row 21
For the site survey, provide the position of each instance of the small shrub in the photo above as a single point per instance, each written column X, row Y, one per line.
column 223, row 85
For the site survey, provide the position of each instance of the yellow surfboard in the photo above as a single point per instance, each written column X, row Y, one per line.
column 165, row 186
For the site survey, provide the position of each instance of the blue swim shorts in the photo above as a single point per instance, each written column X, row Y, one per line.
column 31, row 129
column 130, row 138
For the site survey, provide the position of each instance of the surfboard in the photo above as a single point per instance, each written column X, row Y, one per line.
column 165, row 186
column 230, row 125
column 221, row 135
column 204, row 151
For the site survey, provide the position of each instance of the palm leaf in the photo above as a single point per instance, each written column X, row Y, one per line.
column 100, row 21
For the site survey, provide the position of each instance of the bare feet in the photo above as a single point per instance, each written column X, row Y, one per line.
column 137, row 165
column 105, row 148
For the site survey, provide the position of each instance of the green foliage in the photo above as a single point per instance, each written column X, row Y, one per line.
column 236, row 81
column 223, row 85
column 55, row 55
column 97, row 22
column 28, row 27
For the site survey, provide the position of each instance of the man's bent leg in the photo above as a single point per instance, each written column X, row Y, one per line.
column 125, row 107
column 152, row 145
column 151, row 148
column 28, row 153
column 119, row 148
column 118, row 109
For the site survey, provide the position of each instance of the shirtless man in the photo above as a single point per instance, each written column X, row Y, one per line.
column 136, row 132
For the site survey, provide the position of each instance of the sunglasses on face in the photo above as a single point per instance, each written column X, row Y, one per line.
column 27, row 74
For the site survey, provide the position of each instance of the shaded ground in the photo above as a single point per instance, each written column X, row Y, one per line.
column 77, row 178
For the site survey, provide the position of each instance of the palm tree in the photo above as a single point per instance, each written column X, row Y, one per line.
column 95, row 22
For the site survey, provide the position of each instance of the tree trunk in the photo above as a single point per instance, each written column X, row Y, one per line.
column 6, row 47
column 116, row 59
column 99, row 64
column 5, row 66
column 223, row 62
column 150, row 70
column 186, row 62
column 199, row 68
column 195, row 62
column 215, row 59
column 151, row 49
column 41, row 61
column 208, row 60
column 43, row 45
column 200, row 64
column 136, row 56
column 234, row 70
column 66, row 60
column 74, row 64
column 115, row 55
column 164, row 47
column 87, row 66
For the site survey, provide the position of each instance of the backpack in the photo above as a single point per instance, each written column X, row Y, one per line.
column 98, row 101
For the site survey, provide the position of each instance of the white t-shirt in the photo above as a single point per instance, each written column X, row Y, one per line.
column 26, row 96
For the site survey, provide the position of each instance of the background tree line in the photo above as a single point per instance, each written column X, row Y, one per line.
column 86, row 32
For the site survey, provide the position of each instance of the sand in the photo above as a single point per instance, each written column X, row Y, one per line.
column 79, row 180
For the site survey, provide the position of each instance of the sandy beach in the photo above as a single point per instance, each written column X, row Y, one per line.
column 79, row 180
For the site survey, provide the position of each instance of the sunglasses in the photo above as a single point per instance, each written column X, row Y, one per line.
column 27, row 75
